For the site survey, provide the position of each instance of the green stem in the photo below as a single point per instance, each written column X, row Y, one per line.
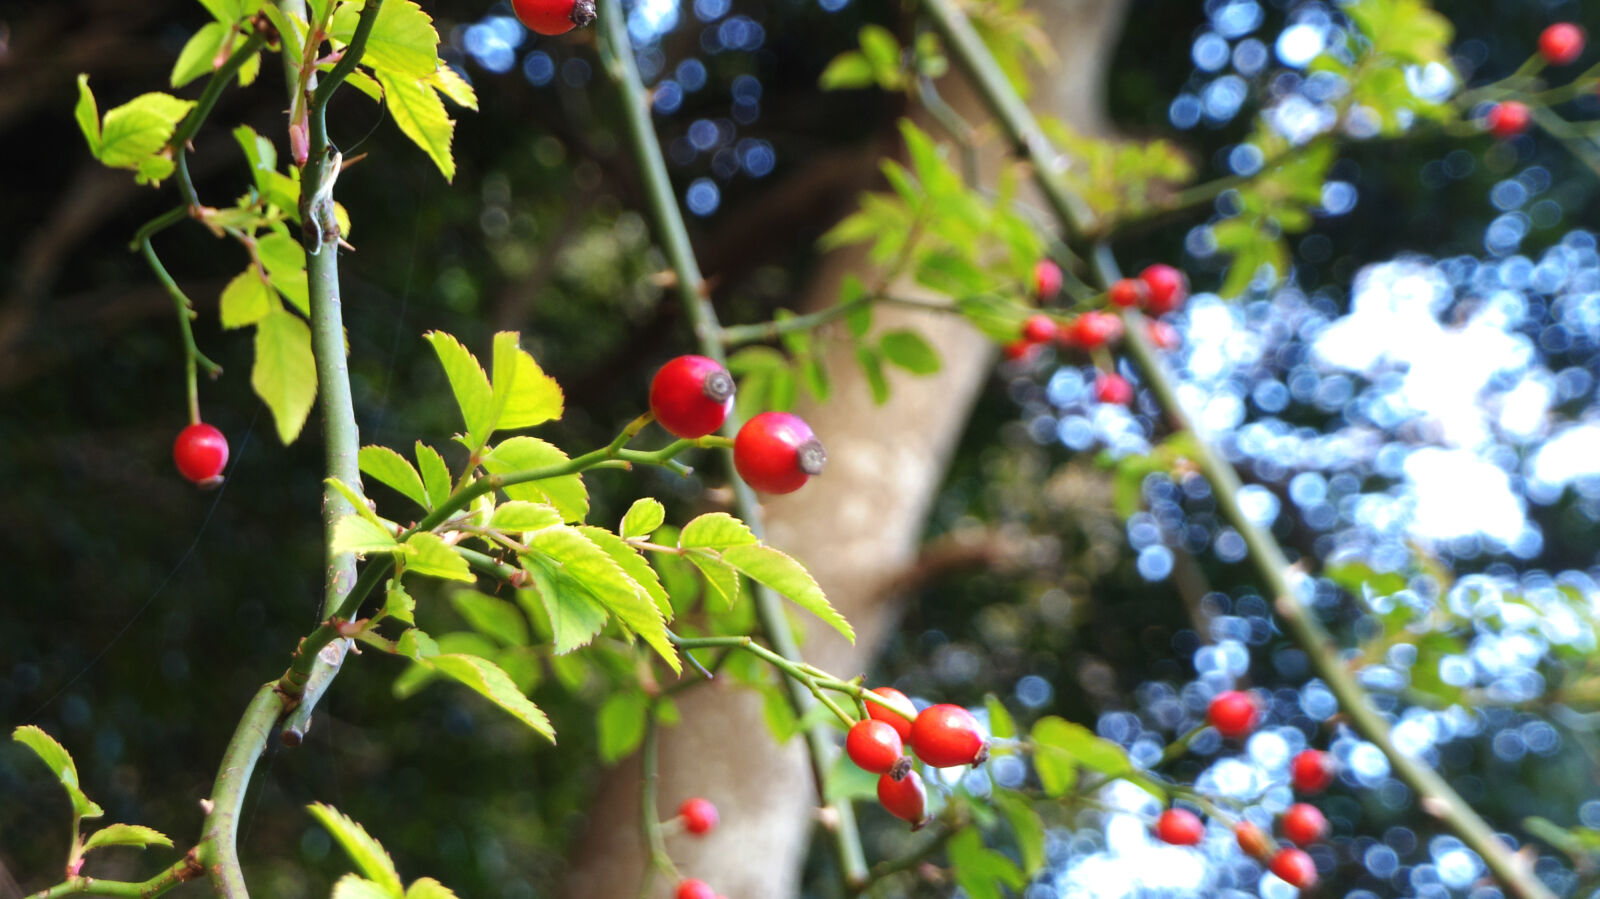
column 218, row 851
column 191, row 352
column 186, row 868
column 617, row 57
column 649, row 811
column 1434, row 795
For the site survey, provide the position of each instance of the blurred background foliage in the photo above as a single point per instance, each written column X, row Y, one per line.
column 139, row 615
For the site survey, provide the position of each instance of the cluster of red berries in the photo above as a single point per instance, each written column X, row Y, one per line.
column 1559, row 45
column 775, row 452
column 944, row 736
column 1235, row 714
column 698, row 817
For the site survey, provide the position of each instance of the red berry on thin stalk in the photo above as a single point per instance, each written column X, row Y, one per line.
column 946, row 736
column 900, row 723
column 1128, row 292
column 201, row 453
column 1096, row 329
column 875, row 747
column 691, row 396
column 1312, row 771
column 1163, row 335
column 1180, row 827
column 1304, row 824
column 1046, row 280
column 906, row 799
column 1017, row 350
column 695, row 889
column 1039, row 329
column 775, row 452
column 1507, row 120
column 1112, row 388
column 1168, row 288
column 699, row 815
column 1252, row 840
column 1561, row 44
column 1294, row 867
column 554, row 16
column 1234, row 714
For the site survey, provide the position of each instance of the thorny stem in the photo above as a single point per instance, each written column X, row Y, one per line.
column 616, row 55
column 1266, row 556
column 186, row 868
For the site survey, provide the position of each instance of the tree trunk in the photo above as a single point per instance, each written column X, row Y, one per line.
column 857, row 528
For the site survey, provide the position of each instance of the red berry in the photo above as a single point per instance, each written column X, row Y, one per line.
column 1561, row 43
column 1113, row 388
column 1046, row 279
column 776, row 452
column 946, row 736
column 1163, row 335
column 555, row 17
column 1312, row 771
column 1252, row 839
column 1180, row 827
column 699, row 815
column 900, row 723
column 1017, row 350
column 695, row 889
column 875, row 746
column 1304, row 824
column 1234, row 714
column 1294, row 867
column 1507, row 120
column 691, row 396
column 201, row 452
column 1039, row 329
column 1096, row 329
column 1128, row 292
column 906, row 798
column 1168, row 288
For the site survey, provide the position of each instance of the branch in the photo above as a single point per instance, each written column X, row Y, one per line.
column 1434, row 795
column 617, row 58
column 218, row 850
column 186, row 868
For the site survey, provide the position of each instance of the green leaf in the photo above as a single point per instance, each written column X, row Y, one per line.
column 847, row 71
column 520, row 515
column 781, row 573
column 88, row 115
column 581, row 559
column 1026, row 826
column 644, row 516
column 403, row 41
column 523, row 394
column 722, row 578
column 486, row 677
column 354, row 886
column 435, row 474
column 910, row 351
column 469, row 384
column 355, row 499
column 447, row 81
column 285, row 372
column 419, row 112
column 428, row 888
column 872, row 369
column 633, row 563
column 565, row 492
column 715, row 530
column 1001, row 725
column 367, row 853
column 1057, row 769
column 126, row 835
column 882, row 51
column 492, row 617
column 433, row 557
column 1084, row 746
column 199, row 53
column 359, row 535
column 621, row 722
column 979, row 870
column 575, row 615
column 59, row 761
column 247, row 299
column 285, row 260
column 140, row 129
column 393, row 470
column 398, row 604
column 228, row 11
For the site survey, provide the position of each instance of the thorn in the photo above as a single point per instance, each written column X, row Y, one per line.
column 207, row 805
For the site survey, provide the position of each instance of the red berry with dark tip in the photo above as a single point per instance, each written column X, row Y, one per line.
column 1113, row 388
column 1046, row 279
column 875, row 746
column 691, row 396
column 1234, row 714
column 554, row 16
column 1507, row 120
column 1167, row 286
column 1561, row 44
column 699, row 815
column 1039, row 329
column 1312, row 771
column 906, row 798
column 1294, row 867
column 1303, row 824
column 900, row 723
column 1017, row 350
column 946, row 736
column 776, row 452
column 201, row 453
column 696, row 889
column 1252, row 840
column 1095, row 329
column 1180, row 827
column 1128, row 292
